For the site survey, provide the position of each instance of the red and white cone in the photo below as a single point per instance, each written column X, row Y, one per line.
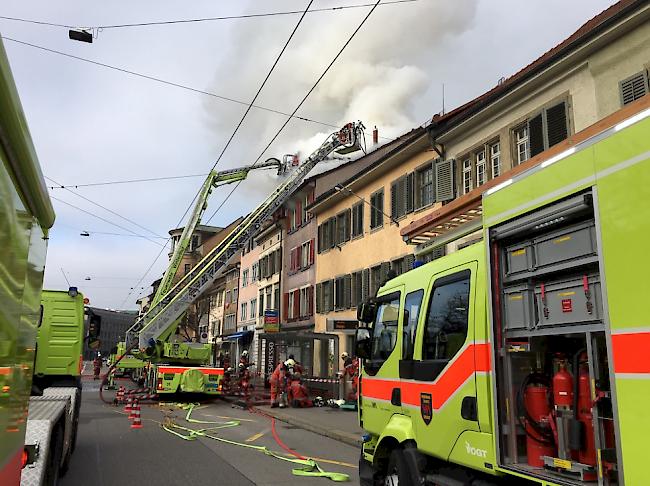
column 127, row 408
column 137, row 421
column 134, row 405
column 120, row 395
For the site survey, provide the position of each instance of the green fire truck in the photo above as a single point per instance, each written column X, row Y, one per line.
column 523, row 358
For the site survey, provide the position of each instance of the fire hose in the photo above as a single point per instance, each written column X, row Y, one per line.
column 308, row 467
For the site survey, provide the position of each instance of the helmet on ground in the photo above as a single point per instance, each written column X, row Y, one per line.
column 290, row 363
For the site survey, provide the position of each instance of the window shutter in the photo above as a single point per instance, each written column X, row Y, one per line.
column 320, row 238
column 536, row 135
column 385, row 267
column 298, row 213
column 330, row 304
column 434, row 178
column 394, row 198
column 401, row 204
column 286, row 306
column 311, row 252
column 298, row 258
column 365, row 284
column 319, row 298
column 353, row 290
column 556, row 124
column 348, row 223
column 296, row 303
column 444, row 180
column 347, row 289
column 438, row 252
column 408, row 262
column 310, row 297
column 410, row 192
column 633, row 87
column 332, row 235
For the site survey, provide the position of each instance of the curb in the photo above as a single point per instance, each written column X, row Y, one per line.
column 339, row 435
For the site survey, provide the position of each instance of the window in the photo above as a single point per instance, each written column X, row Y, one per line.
column 495, row 159
column 292, row 219
column 328, row 296
column 194, row 244
column 446, row 327
column 305, row 299
column 244, row 278
column 276, row 299
column 424, row 184
column 343, row 226
column 356, row 289
column 307, row 254
column 306, row 201
column 253, row 308
column 269, row 293
column 521, row 143
column 357, row 220
column 230, row 322
column 220, row 299
column 291, row 306
column 401, row 196
column 384, row 332
column 243, row 311
column 255, row 272
column 261, row 307
column 412, row 306
column 480, row 168
column 187, row 268
column 467, row 175
column 228, row 301
column 377, row 209
column 633, row 87
column 235, row 293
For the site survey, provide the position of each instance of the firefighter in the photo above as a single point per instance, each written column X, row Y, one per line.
column 97, row 366
column 347, row 360
column 244, row 380
column 297, row 393
column 279, row 382
column 352, row 370
column 243, row 360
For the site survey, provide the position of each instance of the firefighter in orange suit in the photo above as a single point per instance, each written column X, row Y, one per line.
column 279, row 382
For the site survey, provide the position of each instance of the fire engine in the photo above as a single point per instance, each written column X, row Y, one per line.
column 522, row 358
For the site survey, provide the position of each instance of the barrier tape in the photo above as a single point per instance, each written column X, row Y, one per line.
column 309, row 467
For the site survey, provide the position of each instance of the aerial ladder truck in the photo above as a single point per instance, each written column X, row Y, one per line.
column 182, row 367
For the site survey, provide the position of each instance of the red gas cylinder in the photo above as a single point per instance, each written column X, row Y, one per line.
column 539, row 410
column 587, row 455
column 563, row 387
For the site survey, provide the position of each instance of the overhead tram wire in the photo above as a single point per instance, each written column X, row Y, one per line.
column 108, row 221
column 329, row 66
column 107, row 209
column 126, row 181
column 232, row 136
column 204, row 19
column 169, row 83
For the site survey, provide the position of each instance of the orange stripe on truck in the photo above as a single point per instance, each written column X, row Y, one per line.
column 474, row 358
column 630, row 352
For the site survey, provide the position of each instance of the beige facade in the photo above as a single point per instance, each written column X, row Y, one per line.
column 269, row 242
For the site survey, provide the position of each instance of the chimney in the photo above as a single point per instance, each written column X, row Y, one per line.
column 375, row 136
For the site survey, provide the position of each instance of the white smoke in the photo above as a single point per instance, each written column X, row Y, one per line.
column 386, row 69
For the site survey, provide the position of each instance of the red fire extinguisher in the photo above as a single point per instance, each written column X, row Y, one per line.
column 562, row 386
column 586, row 455
column 537, row 412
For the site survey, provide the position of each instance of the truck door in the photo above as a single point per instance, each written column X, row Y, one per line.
column 380, row 386
column 442, row 391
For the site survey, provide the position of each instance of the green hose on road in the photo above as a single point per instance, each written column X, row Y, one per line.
column 309, row 467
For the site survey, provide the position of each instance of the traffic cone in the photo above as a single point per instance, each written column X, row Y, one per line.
column 134, row 405
column 137, row 422
column 127, row 408
column 120, row 395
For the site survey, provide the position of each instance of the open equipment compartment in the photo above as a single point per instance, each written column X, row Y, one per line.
column 554, row 415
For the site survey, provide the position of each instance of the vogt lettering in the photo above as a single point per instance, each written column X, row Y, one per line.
column 474, row 451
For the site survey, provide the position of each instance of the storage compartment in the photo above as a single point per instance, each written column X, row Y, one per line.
column 519, row 307
column 572, row 301
column 519, row 259
column 566, row 245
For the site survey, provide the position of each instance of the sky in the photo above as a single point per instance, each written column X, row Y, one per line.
column 92, row 124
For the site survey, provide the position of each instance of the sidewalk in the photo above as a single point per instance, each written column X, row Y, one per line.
column 337, row 424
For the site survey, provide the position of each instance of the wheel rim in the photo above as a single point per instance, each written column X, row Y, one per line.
column 391, row 479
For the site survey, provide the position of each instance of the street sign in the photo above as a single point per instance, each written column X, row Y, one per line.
column 271, row 321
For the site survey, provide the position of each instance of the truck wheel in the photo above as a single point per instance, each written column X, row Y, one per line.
column 53, row 460
column 397, row 473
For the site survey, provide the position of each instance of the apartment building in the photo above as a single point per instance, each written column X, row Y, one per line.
column 248, row 295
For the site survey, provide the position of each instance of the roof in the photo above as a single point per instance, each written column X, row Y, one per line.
column 587, row 31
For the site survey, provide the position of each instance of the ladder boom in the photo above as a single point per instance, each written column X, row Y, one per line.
column 164, row 314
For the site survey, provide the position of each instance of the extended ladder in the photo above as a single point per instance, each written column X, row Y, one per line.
column 164, row 314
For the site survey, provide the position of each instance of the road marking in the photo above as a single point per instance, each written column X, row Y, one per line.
column 253, row 438
column 228, row 418
column 331, row 461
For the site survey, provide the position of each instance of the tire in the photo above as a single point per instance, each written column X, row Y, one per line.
column 397, row 473
column 53, row 460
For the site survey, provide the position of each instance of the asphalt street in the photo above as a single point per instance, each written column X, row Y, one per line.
column 110, row 453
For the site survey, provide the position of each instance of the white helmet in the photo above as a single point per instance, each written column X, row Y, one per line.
column 345, row 355
column 244, row 353
column 289, row 363
column 241, row 365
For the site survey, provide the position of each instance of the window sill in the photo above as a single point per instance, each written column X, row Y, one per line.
column 374, row 230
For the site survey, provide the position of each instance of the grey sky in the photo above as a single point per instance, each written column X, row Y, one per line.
column 92, row 124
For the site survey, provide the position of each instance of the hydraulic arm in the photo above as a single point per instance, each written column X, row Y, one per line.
column 155, row 327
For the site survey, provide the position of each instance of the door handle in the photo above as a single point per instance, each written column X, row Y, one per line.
column 396, row 397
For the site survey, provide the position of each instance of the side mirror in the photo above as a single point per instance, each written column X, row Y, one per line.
column 366, row 312
column 364, row 342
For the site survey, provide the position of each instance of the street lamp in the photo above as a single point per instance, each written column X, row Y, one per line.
column 80, row 35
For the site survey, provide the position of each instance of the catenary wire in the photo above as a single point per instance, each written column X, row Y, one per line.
column 241, row 121
column 170, row 83
column 277, row 134
column 106, row 220
column 107, row 209
column 204, row 19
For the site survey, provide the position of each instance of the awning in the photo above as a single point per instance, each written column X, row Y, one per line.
column 237, row 335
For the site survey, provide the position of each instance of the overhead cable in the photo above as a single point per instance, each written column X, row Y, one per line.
column 329, row 66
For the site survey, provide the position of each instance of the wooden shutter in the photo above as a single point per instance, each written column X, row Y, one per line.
column 298, row 213
column 353, row 290
column 310, row 296
column 347, row 290
column 298, row 257
column 536, row 135
column 365, row 283
column 556, row 124
column 348, row 223
column 320, row 238
column 286, row 306
column 296, row 303
column 385, row 267
column 319, row 298
column 408, row 262
column 394, row 199
column 311, row 252
column 445, row 180
column 332, row 235
column 331, row 296
column 634, row 88
column 410, row 193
